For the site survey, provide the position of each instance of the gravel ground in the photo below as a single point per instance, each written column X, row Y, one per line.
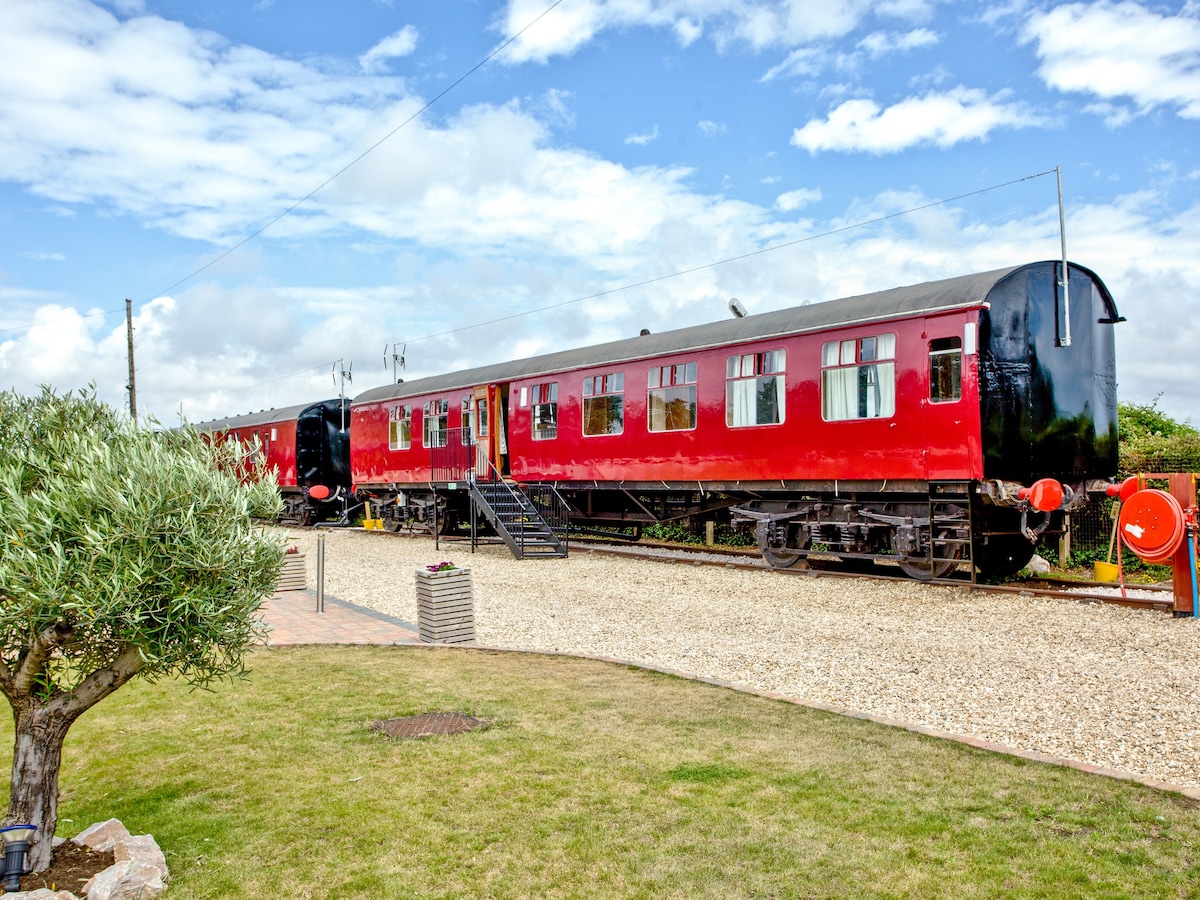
column 1100, row 684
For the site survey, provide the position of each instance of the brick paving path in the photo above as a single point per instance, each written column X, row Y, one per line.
column 293, row 619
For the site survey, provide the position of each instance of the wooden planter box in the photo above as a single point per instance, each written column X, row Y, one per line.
column 445, row 606
column 294, row 576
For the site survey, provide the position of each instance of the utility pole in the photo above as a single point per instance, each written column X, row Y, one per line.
column 129, row 337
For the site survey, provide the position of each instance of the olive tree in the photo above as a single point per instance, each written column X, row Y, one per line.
column 124, row 553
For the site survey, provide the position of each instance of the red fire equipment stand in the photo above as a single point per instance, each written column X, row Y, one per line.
column 1160, row 526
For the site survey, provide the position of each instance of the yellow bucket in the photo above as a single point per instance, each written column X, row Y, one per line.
column 1106, row 571
column 373, row 524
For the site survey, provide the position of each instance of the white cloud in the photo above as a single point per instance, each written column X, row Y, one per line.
column 882, row 43
column 939, row 119
column 224, row 351
column 758, row 24
column 709, row 128
column 793, row 200
column 43, row 256
column 1121, row 51
column 481, row 215
column 803, row 61
column 178, row 127
column 401, row 43
column 641, row 140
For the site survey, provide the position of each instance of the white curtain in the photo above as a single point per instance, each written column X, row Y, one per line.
column 840, row 395
column 740, row 396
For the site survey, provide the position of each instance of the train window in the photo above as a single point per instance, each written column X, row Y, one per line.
column 754, row 388
column 436, row 420
column 465, row 431
column 604, row 404
column 671, row 399
column 399, row 427
column 858, row 378
column 545, row 411
column 481, row 417
column 945, row 369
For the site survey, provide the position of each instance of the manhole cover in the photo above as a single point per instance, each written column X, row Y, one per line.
column 428, row 725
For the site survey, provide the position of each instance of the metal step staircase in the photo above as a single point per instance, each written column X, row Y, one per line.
column 516, row 518
column 950, row 528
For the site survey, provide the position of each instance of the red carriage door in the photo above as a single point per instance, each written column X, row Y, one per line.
column 951, row 428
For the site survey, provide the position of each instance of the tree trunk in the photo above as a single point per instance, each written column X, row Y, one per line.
column 37, row 755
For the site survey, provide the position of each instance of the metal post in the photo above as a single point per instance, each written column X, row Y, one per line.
column 1065, row 341
column 320, row 573
column 129, row 340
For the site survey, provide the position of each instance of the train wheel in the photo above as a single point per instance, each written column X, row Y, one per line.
column 781, row 557
column 923, row 569
column 786, row 554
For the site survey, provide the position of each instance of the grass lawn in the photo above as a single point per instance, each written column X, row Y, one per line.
column 594, row 780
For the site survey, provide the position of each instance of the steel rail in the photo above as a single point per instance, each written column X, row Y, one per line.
column 1083, row 592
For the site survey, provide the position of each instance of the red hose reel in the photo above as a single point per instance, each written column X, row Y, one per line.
column 1152, row 524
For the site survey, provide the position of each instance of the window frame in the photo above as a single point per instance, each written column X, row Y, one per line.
column 440, row 413
column 938, row 372
column 606, row 391
column 682, row 384
column 765, row 366
column 543, row 411
column 394, row 420
column 466, row 429
column 858, row 365
column 480, row 419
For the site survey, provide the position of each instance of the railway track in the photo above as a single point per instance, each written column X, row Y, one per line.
column 1146, row 597
column 1154, row 597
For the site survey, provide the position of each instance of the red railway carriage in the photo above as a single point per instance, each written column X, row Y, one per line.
column 308, row 448
column 907, row 424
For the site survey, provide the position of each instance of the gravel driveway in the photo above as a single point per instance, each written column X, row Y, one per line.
column 1104, row 685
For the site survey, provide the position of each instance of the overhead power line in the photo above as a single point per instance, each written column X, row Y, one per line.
column 324, row 184
column 682, row 272
column 471, row 71
column 722, row 262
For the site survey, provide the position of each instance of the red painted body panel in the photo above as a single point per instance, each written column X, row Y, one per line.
column 279, row 439
column 371, row 460
column 920, row 441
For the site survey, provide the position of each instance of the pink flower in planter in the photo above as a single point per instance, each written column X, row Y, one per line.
column 445, row 566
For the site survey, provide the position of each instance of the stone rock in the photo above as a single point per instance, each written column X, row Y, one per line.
column 41, row 894
column 142, row 848
column 1038, row 566
column 140, row 871
column 102, row 836
column 130, row 879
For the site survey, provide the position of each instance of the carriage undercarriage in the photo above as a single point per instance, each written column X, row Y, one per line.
column 927, row 537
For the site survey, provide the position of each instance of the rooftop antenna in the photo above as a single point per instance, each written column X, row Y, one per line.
column 342, row 374
column 396, row 358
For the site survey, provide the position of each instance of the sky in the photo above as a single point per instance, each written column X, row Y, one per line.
column 289, row 190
